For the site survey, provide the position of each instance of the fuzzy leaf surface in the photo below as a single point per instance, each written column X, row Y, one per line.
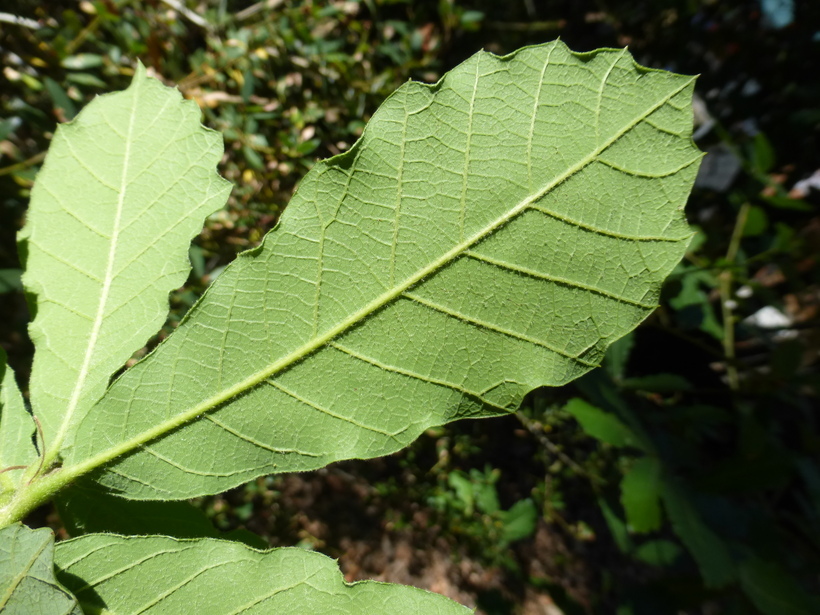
column 154, row 575
column 488, row 234
column 124, row 188
column 27, row 583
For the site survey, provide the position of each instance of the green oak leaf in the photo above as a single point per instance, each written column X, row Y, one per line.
column 27, row 583
column 124, row 188
column 640, row 495
column 155, row 575
column 600, row 424
column 488, row 234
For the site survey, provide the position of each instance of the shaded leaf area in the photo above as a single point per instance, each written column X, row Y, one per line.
column 711, row 553
column 86, row 508
column 773, row 590
column 216, row 576
column 640, row 495
column 130, row 183
column 27, row 583
column 464, row 211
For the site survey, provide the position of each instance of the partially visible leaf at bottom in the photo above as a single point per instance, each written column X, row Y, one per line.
column 155, row 575
column 27, row 583
column 488, row 234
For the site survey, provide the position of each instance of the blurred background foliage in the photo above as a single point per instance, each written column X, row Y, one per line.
column 682, row 477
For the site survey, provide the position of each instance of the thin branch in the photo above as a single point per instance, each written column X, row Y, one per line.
column 255, row 8
column 13, row 168
column 537, row 429
column 189, row 14
column 726, row 283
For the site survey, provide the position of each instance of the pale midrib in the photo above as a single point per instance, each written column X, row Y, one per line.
column 68, row 473
column 79, row 386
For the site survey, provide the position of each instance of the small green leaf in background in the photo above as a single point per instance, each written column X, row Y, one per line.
column 132, row 574
column 617, row 356
column 709, row 551
column 463, row 488
column 757, row 222
column 773, row 590
column 7, row 127
column 692, row 305
column 86, row 79
column 27, row 583
column 520, row 520
column 658, row 552
column 82, row 61
column 484, row 490
column 763, row 156
column 197, row 257
column 61, row 100
column 617, row 527
column 601, row 425
column 10, row 280
column 640, row 495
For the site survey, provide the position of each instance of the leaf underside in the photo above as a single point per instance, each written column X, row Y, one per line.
column 487, row 235
column 123, row 190
column 156, row 574
column 27, row 583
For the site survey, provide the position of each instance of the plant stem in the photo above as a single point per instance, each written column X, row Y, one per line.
column 726, row 282
column 537, row 429
column 30, row 496
column 37, row 158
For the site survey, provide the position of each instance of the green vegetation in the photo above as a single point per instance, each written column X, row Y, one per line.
column 680, row 477
column 446, row 219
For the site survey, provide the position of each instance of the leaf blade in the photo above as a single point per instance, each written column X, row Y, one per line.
column 599, row 424
column 381, row 247
column 641, row 493
column 217, row 576
column 112, row 213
